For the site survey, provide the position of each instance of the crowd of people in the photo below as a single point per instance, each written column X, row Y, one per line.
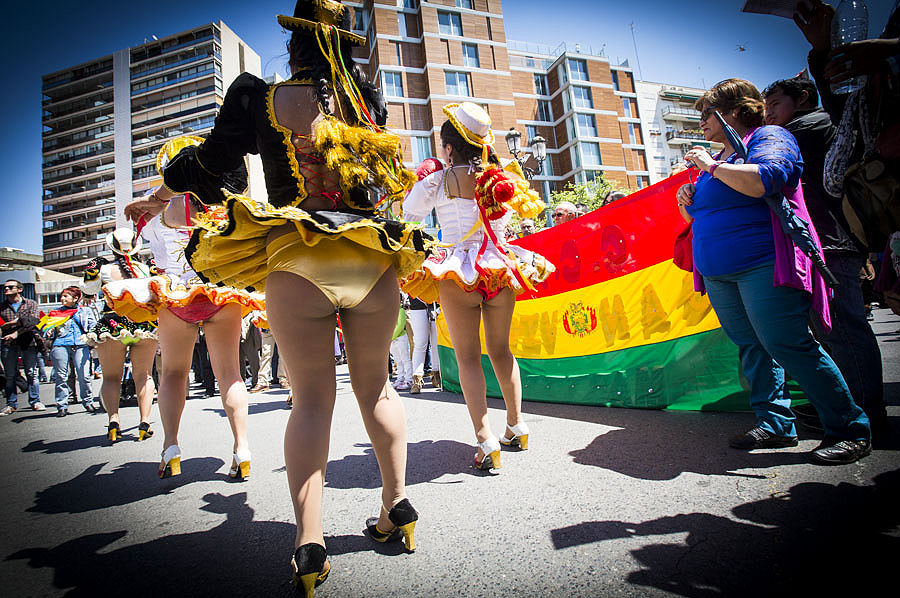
column 249, row 293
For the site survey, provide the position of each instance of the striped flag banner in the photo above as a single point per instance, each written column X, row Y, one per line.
column 617, row 324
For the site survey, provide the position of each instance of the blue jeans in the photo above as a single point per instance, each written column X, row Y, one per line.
column 851, row 342
column 80, row 356
column 10, row 355
column 769, row 324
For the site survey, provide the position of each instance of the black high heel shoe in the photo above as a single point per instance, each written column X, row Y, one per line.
column 113, row 432
column 144, row 431
column 311, row 568
column 404, row 517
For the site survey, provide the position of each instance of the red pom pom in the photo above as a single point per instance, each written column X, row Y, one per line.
column 504, row 191
column 427, row 167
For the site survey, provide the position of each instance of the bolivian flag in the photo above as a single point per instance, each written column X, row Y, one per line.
column 55, row 319
column 617, row 324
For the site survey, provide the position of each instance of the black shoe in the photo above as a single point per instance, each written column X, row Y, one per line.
column 757, row 438
column 404, row 518
column 311, row 568
column 842, row 452
column 62, row 412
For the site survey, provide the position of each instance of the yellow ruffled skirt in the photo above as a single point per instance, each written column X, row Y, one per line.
column 228, row 245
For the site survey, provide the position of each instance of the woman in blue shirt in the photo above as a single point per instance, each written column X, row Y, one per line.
column 762, row 293
column 68, row 347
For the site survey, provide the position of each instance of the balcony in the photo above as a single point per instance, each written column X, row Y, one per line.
column 684, row 94
column 687, row 136
column 678, row 114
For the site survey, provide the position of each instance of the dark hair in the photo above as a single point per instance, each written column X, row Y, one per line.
column 123, row 267
column 737, row 94
column 471, row 154
column 304, row 54
column 794, row 88
column 18, row 283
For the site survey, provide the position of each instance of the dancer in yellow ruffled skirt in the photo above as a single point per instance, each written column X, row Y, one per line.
column 477, row 275
column 318, row 244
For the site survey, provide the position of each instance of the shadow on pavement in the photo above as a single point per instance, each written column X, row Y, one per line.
column 126, row 484
column 428, row 460
column 641, row 452
column 239, row 557
column 65, row 446
column 787, row 541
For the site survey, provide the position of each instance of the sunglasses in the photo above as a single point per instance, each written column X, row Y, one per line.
column 559, row 214
column 707, row 112
column 7, row 288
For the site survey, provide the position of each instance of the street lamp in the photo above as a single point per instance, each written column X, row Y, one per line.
column 538, row 147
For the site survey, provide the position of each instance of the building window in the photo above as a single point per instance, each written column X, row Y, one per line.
column 464, row 3
column 543, row 111
column 457, row 83
column 589, row 175
column 570, row 128
column 530, row 133
column 410, row 3
column 583, row 98
column 641, row 181
column 359, row 20
column 421, row 147
column 615, row 80
column 401, row 24
column 548, row 166
column 449, row 23
column 591, row 152
column 626, row 104
column 632, row 139
column 470, row 55
column 576, row 158
column 392, row 84
column 399, row 56
column 540, row 84
column 561, row 73
column 587, row 125
column 241, row 67
column 578, row 68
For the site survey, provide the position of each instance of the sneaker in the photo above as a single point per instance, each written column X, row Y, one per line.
column 842, row 452
column 7, row 411
column 92, row 407
column 38, row 406
column 62, row 411
column 757, row 438
column 401, row 385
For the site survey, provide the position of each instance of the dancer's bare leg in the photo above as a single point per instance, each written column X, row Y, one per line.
column 223, row 339
column 497, row 317
column 142, row 355
column 367, row 339
column 112, row 361
column 176, row 341
column 462, row 311
column 302, row 320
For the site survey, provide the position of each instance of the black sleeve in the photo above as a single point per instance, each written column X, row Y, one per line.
column 831, row 103
column 219, row 161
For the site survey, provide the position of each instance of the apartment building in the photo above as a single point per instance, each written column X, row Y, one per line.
column 672, row 125
column 105, row 120
column 427, row 54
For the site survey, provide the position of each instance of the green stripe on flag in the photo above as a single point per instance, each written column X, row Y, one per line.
column 697, row 372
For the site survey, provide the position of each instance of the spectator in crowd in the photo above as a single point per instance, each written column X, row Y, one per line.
column 793, row 104
column 400, row 350
column 580, row 210
column 250, row 346
column 762, row 288
column 564, row 212
column 526, row 227
column 20, row 339
column 68, row 347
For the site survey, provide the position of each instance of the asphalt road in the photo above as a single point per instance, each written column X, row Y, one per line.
column 608, row 502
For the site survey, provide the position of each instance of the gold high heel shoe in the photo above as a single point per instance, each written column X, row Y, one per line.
column 311, row 568
column 240, row 465
column 519, row 436
column 404, row 517
column 144, row 431
column 490, row 454
column 171, row 462
column 113, row 432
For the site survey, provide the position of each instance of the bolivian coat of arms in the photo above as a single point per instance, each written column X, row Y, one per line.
column 579, row 320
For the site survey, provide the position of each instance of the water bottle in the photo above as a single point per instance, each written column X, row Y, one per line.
column 850, row 24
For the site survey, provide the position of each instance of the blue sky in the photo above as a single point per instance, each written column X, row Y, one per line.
column 689, row 42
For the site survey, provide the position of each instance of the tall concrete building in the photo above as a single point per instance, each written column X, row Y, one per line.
column 105, row 120
column 672, row 124
column 427, row 54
